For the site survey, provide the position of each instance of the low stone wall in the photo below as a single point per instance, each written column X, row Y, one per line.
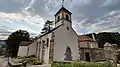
column 95, row 54
column 12, row 64
column 44, row 65
column 111, row 54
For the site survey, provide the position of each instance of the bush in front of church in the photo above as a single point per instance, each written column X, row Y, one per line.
column 33, row 60
column 80, row 64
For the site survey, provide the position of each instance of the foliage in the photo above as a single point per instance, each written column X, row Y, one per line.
column 47, row 26
column 1, row 51
column 80, row 64
column 30, row 60
column 14, row 40
column 110, row 37
column 103, row 37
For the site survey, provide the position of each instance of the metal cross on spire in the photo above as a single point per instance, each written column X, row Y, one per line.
column 62, row 3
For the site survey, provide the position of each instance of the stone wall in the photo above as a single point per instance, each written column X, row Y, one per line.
column 95, row 54
column 111, row 55
column 98, row 54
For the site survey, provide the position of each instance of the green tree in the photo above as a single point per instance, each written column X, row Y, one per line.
column 110, row 37
column 1, row 51
column 47, row 26
column 103, row 37
column 14, row 40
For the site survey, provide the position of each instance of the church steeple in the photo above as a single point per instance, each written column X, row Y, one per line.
column 62, row 14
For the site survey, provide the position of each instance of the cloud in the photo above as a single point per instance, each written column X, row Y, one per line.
column 87, row 15
column 11, row 22
column 108, row 23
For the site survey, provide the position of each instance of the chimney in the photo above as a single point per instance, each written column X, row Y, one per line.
column 93, row 37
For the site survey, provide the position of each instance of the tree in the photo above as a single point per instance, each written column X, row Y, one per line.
column 110, row 37
column 14, row 40
column 103, row 37
column 1, row 51
column 47, row 26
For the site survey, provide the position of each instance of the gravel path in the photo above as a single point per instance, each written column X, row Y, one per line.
column 3, row 62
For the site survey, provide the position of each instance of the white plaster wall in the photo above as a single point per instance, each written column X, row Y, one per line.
column 40, row 50
column 46, row 53
column 46, row 56
column 64, row 38
column 38, row 41
column 22, row 51
column 32, row 48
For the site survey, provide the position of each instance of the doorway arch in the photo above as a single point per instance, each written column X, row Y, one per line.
column 68, row 53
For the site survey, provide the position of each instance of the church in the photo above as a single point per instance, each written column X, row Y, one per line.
column 62, row 43
column 59, row 44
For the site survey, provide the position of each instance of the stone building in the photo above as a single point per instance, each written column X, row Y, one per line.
column 95, row 54
column 88, row 49
column 111, row 52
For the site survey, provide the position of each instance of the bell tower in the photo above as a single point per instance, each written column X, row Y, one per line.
column 63, row 16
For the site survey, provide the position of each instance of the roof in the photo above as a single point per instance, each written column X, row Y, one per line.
column 109, row 44
column 63, row 8
column 49, row 31
column 82, row 38
column 25, row 43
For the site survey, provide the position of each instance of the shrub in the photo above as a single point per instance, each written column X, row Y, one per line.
column 80, row 64
column 31, row 56
column 30, row 60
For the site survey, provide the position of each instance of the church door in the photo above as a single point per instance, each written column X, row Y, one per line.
column 68, row 56
column 87, row 55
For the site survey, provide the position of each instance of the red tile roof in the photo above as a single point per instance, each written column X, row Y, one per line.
column 82, row 38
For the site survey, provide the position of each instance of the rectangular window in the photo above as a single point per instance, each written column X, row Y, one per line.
column 67, row 17
column 47, row 42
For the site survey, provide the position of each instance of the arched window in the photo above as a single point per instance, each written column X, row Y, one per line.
column 68, row 56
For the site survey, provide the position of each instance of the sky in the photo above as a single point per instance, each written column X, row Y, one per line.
column 88, row 16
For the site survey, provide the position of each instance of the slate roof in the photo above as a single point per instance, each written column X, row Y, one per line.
column 109, row 44
column 63, row 8
column 25, row 43
column 49, row 31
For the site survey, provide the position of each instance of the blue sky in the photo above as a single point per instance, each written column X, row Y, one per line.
column 88, row 16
